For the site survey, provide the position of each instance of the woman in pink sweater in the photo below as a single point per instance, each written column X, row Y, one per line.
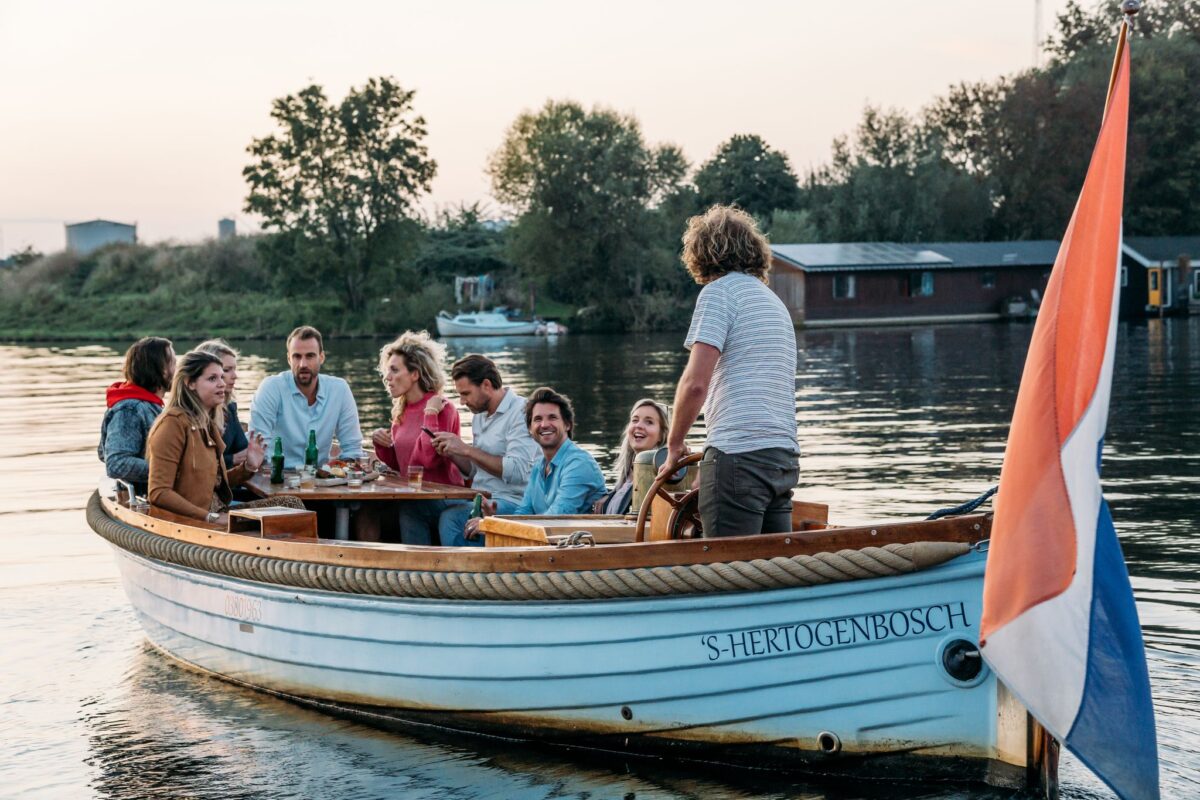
column 411, row 368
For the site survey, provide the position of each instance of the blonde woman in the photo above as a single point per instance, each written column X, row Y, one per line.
column 187, row 472
column 649, row 421
column 412, row 372
column 233, row 435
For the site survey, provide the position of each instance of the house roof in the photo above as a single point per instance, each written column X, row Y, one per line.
column 1036, row 253
column 858, row 256
column 1162, row 248
column 99, row 222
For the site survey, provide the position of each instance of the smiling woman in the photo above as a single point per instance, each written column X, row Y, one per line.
column 185, row 448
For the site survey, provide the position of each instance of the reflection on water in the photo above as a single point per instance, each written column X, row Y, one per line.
column 893, row 423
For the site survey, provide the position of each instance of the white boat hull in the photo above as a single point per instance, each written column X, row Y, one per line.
column 449, row 327
column 760, row 672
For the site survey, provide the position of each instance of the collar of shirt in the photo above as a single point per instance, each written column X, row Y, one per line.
column 564, row 453
column 485, row 419
column 296, row 387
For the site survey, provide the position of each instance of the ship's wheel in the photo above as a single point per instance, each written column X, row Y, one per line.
column 682, row 508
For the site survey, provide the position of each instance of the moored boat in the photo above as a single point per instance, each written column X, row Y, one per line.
column 837, row 650
column 483, row 323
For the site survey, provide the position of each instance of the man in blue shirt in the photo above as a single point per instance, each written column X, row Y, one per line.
column 566, row 480
column 300, row 399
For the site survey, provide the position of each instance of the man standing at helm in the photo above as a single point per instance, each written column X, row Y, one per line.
column 742, row 372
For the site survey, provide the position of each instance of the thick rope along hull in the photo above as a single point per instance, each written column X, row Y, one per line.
column 754, row 575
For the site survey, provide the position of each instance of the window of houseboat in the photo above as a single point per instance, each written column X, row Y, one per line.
column 1196, row 285
column 988, row 280
column 1124, row 275
column 920, row 284
column 1154, row 280
column 843, row 286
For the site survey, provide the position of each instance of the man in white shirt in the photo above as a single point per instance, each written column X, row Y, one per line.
column 300, row 399
column 502, row 452
column 742, row 370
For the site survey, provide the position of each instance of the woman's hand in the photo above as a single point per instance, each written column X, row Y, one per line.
column 383, row 438
column 256, row 451
column 435, row 405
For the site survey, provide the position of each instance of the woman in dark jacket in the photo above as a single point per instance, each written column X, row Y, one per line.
column 133, row 405
column 234, row 437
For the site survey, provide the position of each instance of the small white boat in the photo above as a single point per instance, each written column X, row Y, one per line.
column 483, row 323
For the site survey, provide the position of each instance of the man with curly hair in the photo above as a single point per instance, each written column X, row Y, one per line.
column 742, row 371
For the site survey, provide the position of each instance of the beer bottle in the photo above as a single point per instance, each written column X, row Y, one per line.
column 310, row 452
column 477, row 507
column 277, row 461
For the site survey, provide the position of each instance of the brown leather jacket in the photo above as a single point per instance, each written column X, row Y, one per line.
column 186, row 468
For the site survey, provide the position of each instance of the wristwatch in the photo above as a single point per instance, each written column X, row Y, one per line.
column 213, row 517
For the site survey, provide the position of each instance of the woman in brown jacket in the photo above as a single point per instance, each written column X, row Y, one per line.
column 185, row 447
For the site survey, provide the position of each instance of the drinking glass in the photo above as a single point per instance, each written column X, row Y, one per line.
column 415, row 476
column 308, row 477
column 354, row 479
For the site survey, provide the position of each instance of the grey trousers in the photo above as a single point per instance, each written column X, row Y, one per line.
column 747, row 493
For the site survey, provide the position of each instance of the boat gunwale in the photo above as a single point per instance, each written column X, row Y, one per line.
column 968, row 529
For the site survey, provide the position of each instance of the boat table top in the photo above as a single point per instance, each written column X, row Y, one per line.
column 388, row 488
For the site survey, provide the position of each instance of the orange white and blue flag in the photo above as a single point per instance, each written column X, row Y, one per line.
column 1059, row 624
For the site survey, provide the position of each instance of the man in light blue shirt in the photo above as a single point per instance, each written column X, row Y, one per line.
column 292, row 403
column 566, row 479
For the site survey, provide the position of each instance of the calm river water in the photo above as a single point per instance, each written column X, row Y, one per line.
column 893, row 423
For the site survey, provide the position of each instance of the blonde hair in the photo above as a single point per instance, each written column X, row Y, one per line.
column 218, row 347
column 189, row 369
column 725, row 239
column 421, row 354
column 625, row 459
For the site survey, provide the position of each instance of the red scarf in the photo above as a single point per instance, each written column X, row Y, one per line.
column 121, row 390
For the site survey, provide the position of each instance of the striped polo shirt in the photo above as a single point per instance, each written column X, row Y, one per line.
column 751, row 403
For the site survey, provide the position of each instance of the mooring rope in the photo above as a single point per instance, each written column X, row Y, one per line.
column 781, row 572
column 965, row 508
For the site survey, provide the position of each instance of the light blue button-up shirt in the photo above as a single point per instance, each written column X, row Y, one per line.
column 281, row 409
column 574, row 483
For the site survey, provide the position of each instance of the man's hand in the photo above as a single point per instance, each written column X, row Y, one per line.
column 382, row 437
column 471, row 531
column 448, row 444
column 674, row 453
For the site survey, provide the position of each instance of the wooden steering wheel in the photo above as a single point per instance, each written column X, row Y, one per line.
column 679, row 505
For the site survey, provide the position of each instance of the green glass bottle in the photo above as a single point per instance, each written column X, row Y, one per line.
column 277, row 461
column 477, row 507
column 310, row 452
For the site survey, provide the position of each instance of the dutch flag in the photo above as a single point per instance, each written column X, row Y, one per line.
column 1059, row 623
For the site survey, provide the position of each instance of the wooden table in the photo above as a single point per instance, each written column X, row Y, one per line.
column 390, row 488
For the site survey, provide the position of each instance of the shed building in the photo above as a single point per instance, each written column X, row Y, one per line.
column 84, row 237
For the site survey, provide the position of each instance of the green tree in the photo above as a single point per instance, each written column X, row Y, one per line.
column 747, row 172
column 340, row 183
column 893, row 182
column 1028, row 138
column 590, row 195
column 461, row 240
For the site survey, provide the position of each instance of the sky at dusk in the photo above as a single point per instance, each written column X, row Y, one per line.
column 142, row 111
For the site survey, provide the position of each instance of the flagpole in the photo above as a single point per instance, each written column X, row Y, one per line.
column 1129, row 8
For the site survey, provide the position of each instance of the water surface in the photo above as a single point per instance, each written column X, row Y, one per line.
column 893, row 423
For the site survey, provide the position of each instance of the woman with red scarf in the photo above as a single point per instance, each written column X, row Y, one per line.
column 133, row 405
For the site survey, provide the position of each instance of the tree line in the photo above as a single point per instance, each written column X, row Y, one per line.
column 592, row 212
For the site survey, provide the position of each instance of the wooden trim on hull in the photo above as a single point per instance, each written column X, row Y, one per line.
column 967, row 529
